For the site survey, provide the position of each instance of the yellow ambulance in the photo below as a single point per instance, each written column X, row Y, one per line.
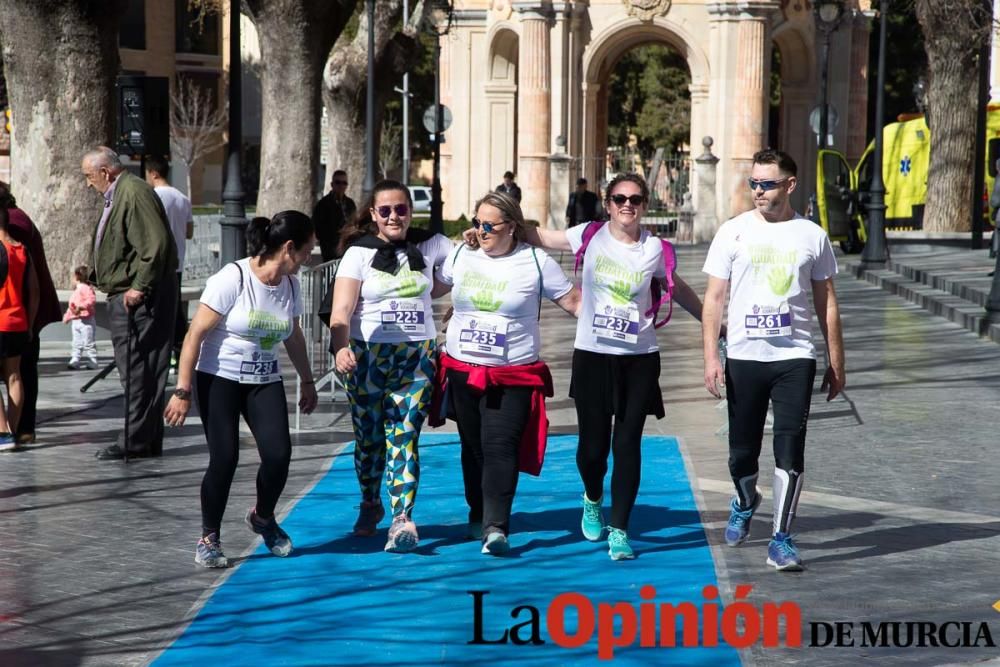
column 842, row 192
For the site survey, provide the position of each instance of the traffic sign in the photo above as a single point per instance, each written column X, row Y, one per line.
column 429, row 120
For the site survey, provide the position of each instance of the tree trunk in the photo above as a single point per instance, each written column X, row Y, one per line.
column 295, row 39
column 61, row 58
column 954, row 30
column 345, row 87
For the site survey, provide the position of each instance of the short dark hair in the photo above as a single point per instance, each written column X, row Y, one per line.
column 784, row 161
column 631, row 178
column 157, row 164
column 508, row 174
column 82, row 272
column 6, row 198
column 581, row 181
column 340, row 172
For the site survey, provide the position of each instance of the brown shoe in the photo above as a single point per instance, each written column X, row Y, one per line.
column 371, row 513
column 26, row 439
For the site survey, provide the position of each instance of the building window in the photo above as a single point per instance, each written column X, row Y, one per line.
column 197, row 30
column 132, row 33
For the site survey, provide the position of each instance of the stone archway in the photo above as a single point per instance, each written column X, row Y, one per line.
column 798, row 93
column 500, row 92
column 600, row 57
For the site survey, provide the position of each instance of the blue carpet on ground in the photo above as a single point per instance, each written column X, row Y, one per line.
column 341, row 600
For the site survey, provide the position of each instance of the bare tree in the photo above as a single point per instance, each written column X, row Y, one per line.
column 295, row 40
column 345, row 83
column 954, row 32
column 196, row 123
column 60, row 60
column 391, row 142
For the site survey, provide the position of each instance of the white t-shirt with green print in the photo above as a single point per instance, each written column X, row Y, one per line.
column 394, row 308
column 616, row 296
column 770, row 266
column 496, row 303
column 255, row 318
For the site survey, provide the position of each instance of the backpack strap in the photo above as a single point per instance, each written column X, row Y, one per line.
column 592, row 228
column 669, row 266
column 538, row 266
column 240, row 269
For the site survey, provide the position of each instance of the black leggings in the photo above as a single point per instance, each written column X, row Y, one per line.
column 221, row 402
column 626, row 388
column 491, row 425
column 749, row 386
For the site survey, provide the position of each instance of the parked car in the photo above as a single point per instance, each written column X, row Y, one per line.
column 421, row 195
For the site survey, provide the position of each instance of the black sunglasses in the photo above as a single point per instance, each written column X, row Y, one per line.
column 635, row 200
column 764, row 185
column 488, row 227
column 401, row 210
column 340, row 182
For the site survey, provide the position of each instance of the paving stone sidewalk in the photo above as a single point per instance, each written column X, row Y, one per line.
column 898, row 519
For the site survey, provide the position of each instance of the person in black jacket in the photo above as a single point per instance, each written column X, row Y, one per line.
column 330, row 215
column 509, row 187
column 583, row 206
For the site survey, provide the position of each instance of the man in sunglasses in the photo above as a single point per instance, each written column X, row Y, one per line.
column 771, row 259
column 331, row 214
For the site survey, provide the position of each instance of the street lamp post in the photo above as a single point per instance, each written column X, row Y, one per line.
column 876, row 253
column 828, row 15
column 369, row 182
column 233, row 242
column 440, row 21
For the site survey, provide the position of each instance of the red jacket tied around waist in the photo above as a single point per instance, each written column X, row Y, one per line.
column 531, row 452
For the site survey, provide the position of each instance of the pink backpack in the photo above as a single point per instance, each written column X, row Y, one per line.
column 669, row 264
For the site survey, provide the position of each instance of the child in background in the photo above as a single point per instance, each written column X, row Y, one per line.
column 81, row 314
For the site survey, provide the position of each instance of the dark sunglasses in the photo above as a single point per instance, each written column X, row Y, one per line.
column 401, row 210
column 635, row 200
column 488, row 227
column 340, row 182
column 764, row 185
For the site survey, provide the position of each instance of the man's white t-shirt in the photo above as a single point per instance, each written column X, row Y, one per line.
column 178, row 209
column 255, row 318
column 770, row 266
column 497, row 302
column 616, row 277
column 394, row 308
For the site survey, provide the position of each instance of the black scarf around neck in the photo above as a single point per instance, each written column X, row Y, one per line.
column 385, row 259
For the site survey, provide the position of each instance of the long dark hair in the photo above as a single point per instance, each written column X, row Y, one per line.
column 6, row 198
column 264, row 236
column 362, row 222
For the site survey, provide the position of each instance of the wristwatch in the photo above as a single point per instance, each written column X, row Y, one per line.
column 183, row 394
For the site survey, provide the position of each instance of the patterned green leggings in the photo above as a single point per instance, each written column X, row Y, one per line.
column 390, row 393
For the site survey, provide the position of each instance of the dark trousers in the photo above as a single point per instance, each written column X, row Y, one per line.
column 29, row 377
column 623, row 389
column 490, row 425
column 749, row 386
column 152, row 339
column 220, row 404
column 180, row 321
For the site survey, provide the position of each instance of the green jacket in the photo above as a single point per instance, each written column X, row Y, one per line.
column 137, row 247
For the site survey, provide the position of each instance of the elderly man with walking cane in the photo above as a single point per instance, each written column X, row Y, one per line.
column 135, row 263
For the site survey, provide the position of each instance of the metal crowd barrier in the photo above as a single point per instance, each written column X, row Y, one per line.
column 314, row 281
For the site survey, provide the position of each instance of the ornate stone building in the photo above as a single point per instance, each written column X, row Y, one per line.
column 527, row 86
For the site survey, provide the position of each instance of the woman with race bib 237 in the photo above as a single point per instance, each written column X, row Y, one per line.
column 616, row 359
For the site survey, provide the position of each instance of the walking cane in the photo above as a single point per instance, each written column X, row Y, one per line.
column 128, row 376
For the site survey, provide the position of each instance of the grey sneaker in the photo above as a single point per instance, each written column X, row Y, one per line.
column 208, row 553
column 496, row 543
column 402, row 535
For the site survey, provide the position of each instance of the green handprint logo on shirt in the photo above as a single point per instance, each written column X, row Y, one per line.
column 779, row 280
column 621, row 291
column 485, row 302
column 408, row 288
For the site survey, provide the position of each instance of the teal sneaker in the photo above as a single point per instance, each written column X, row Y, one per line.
column 618, row 546
column 592, row 523
column 782, row 554
column 738, row 528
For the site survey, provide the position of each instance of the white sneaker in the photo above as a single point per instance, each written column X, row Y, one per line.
column 92, row 364
column 74, row 365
